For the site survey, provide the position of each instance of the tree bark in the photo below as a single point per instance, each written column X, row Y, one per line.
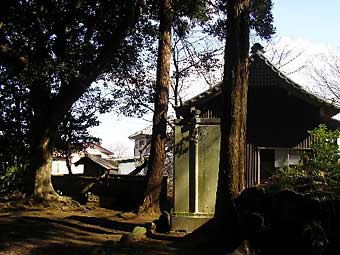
column 69, row 163
column 231, row 177
column 154, row 174
column 42, row 162
column 39, row 179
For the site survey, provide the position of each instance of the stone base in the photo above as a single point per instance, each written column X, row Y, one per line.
column 188, row 222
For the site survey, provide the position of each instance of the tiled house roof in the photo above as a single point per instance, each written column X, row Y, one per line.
column 107, row 164
column 262, row 73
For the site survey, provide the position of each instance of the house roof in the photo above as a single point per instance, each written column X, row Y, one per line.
column 148, row 130
column 107, row 164
column 261, row 65
column 58, row 154
column 145, row 131
column 100, row 148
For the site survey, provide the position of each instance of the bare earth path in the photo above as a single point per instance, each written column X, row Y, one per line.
column 36, row 230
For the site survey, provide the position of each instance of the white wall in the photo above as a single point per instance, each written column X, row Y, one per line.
column 59, row 167
column 126, row 168
column 285, row 156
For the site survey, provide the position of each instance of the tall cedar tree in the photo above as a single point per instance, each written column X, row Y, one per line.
column 56, row 50
column 154, row 174
column 233, row 120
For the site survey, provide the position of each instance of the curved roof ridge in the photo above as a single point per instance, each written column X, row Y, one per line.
column 213, row 91
column 258, row 51
column 291, row 82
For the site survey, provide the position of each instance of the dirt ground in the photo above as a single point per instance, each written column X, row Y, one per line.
column 26, row 229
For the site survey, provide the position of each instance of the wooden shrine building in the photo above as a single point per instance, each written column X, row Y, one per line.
column 280, row 113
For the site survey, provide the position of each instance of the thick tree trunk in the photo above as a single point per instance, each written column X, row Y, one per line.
column 41, row 164
column 157, row 152
column 48, row 115
column 231, row 178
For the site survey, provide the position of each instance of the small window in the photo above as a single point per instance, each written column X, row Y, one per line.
column 141, row 144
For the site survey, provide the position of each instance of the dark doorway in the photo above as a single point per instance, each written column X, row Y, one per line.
column 267, row 163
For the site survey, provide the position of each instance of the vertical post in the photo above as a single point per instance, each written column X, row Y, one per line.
column 193, row 165
column 258, row 179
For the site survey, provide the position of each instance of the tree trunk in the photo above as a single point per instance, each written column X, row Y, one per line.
column 154, row 174
column 46, row 119
column 231, row 178
column 41, row 164
column 69, row 163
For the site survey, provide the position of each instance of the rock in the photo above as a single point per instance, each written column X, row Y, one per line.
column 252, row 200
column 288, row 207
column 151, row 228
column 243, row 249
column 255, row 224
column 163, row 224
column 313, row 238
column 92, row 200
column 98, row 251
column 137, row 234
column 139, row 231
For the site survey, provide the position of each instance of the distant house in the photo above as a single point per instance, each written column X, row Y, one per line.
column 126, row 165
column 59, row 160
column 95, row 165
column 59, row 164
column 280, row 112
column 141, row 139
column 97, row 149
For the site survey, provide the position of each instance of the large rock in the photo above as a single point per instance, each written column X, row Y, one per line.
column 163, row 224
column 253, row 200
column 137, row 234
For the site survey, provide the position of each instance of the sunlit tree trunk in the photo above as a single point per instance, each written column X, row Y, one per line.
column 48, row 115
column 157, row 153
column 43, row 133
column 41, row 163
column 231, row 178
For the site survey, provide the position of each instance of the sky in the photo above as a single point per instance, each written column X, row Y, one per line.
column 310, row 26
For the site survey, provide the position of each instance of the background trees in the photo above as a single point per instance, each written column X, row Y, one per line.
column 326, row 76
column 73, row 133
column 54, row 51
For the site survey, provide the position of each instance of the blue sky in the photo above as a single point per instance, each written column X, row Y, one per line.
column 314, row 20
column 310, row 26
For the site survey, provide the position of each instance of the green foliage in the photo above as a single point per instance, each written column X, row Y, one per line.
column 319, row 167
column 261, row 19
column 324, row 154
column 50, row 54
column 12, row 181
column 14, row 123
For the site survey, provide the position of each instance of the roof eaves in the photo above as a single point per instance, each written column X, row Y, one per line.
column 293, row 85
column 210, row 93
column 103, row 162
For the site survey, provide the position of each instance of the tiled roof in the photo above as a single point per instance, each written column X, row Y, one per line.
column 100, row 148
column 258, row 57
column 144, row 131
column 107, row 164
column 148, row 130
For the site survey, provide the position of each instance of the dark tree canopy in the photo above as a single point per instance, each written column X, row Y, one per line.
column 260, row 19
column 54, row 51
